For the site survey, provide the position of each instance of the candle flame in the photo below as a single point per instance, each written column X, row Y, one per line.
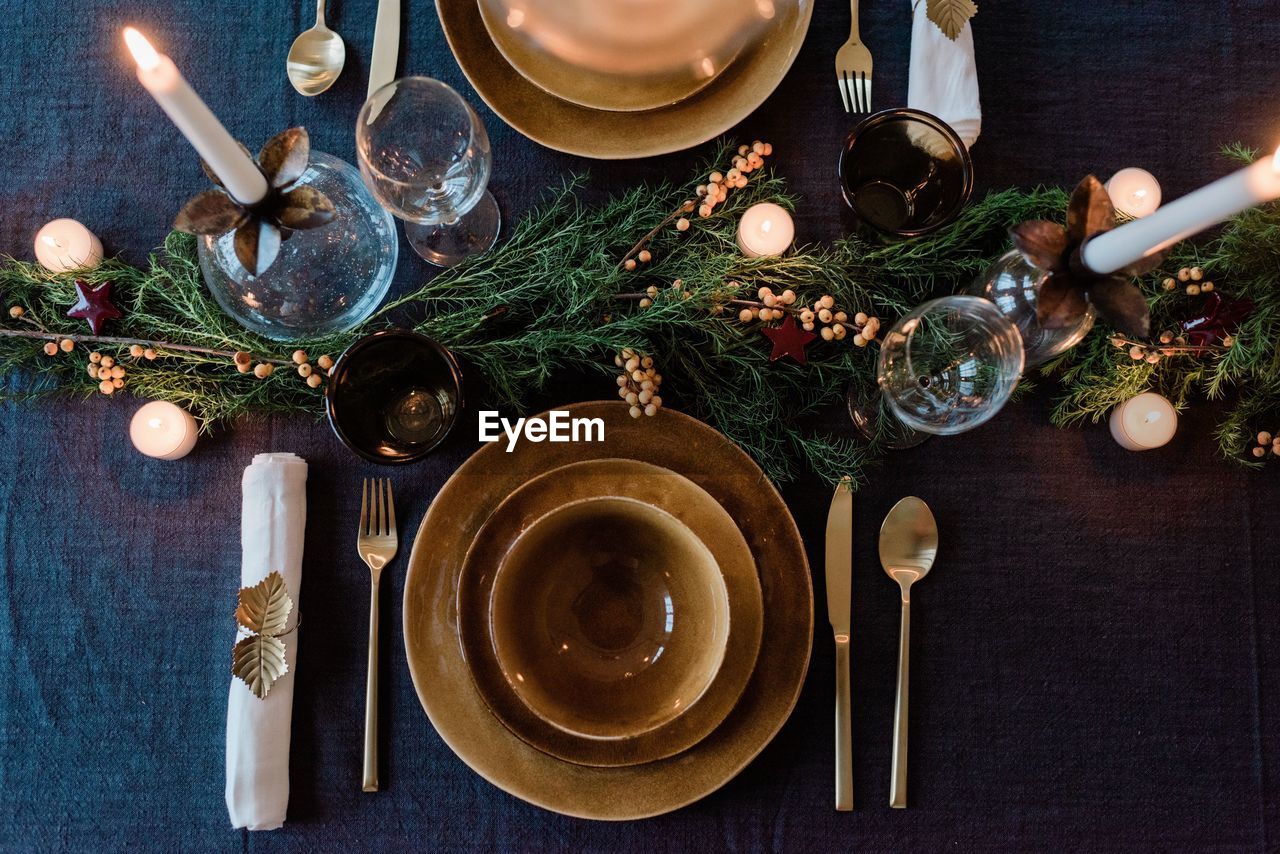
column 155, row 423
column 50, row 240
column 766, row 226
column 143, row 53
column 1275, row 161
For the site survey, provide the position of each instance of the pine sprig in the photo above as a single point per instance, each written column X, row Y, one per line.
column 548, row 299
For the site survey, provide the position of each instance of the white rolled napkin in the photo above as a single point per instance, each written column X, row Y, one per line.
column 943, row 79
column 272, row 521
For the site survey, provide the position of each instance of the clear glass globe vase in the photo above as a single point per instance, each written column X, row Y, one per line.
column 325, row 279
column 1013, row 284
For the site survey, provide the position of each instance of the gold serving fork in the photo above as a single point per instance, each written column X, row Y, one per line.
column 853, row 69
column 377, row 543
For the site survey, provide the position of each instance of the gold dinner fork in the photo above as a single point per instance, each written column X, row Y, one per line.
column 377, row 544
column 853, row 69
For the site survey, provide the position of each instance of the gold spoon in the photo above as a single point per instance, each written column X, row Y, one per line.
column 908, row 545
column 316, row 57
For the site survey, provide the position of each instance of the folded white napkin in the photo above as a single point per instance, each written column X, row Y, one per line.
column 943, row 77
column 272, row 521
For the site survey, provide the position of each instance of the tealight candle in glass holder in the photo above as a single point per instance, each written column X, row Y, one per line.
column 1144, row 422
column 164, row 431
column 765, row 230
column 65, row 244
column 1134, row 192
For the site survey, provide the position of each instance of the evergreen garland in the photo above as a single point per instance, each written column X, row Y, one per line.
column 548, row 299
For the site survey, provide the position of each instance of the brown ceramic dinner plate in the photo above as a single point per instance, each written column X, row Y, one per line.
column 612, row 135
column 443, row 680
column 614, row 654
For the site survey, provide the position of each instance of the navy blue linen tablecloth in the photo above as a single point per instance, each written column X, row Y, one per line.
column 1096, row 658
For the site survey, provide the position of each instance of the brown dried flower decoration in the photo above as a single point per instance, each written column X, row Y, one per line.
column 1070, row 287
column 262, row 226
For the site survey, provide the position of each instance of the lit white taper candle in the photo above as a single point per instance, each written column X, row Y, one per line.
column 1189, row 215
column 239, row 174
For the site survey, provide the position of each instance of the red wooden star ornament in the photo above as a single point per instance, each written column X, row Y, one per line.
column 94, row 305
column 788, row 340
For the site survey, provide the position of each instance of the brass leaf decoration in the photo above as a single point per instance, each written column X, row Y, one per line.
column 258, row 661
column 305, row 207
column 950, row 16
column 212, row 212
column 257, row 243
column 260, row 227
column 1123, row 305
column 1059, row 304
column 1090, row 211
column 1040, row 242
column 284, row 158
column 265, row 607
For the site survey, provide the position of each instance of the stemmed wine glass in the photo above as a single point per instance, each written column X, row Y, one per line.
column 946, row 367
column 425, row 155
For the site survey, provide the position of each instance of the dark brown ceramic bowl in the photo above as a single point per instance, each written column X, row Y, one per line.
column 609, row 617
column 905, row 173
column 394, row 396
column 610, row 613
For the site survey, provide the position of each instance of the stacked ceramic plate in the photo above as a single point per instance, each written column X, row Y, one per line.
column 609, row 630
column 566, row 108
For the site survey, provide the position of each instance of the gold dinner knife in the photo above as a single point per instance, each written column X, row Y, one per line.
column 839, row 595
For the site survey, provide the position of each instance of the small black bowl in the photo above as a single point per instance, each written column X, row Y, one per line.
column 394, row 396
column 905, row 173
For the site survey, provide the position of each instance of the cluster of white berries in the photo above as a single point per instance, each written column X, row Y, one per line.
column 308, row 372
column 832, row 324
column 676, row 291
column 638, row 383
column 772, row 306
column 748, row 159
column 111, row 375
column 644, row 256
column 1267, row 442
column 1168, row 344
column 1192, row 278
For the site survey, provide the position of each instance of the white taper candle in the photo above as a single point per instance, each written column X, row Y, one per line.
column 1189, row 215
column 157, row 73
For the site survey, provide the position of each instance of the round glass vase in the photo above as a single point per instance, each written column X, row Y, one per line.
column 1013, row 284
column 325, row 279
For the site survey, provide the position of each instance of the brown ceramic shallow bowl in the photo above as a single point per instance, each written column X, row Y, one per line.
column 609, row 617
column 612, row 135
column 673, row 675
column 583, row 86
column 443, row 680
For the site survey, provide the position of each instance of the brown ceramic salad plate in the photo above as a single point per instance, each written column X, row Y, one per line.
column 610, row 612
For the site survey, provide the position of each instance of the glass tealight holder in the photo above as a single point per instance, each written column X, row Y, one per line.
column 905, row 173
column 393, row 396
column 1013, row 283
column 324, row 280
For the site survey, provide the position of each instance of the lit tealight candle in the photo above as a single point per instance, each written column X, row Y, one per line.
column 65, row 244
column 164, row 431
column 1134, row 192
column 765, row 229
column 1144, row 422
